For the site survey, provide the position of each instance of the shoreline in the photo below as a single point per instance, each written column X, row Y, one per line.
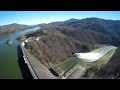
column 6, row 35
column 17, row 31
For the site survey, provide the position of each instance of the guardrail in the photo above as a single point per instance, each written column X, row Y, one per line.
column 28, row 64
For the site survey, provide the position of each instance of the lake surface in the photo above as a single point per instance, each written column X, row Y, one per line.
column 9, row 66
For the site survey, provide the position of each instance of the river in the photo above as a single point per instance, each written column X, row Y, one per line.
column 9, row 66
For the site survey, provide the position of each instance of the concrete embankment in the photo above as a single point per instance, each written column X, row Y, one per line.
column 95, row 54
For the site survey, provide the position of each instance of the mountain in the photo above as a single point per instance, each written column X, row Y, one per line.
column 109, row 28
column 11, row 28
column 59, row 40
column 54, row 46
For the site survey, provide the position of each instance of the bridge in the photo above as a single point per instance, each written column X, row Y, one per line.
column 37, row 70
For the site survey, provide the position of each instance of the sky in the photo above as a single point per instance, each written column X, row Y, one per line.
column 37, row 17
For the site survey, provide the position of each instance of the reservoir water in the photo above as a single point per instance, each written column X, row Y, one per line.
column 9, row 66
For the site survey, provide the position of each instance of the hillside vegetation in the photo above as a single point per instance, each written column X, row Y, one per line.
column 59, row 40
column 109, row 29
column 54, row 47
column 11, row 28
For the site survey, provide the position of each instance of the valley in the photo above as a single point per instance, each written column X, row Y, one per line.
column 84, row 48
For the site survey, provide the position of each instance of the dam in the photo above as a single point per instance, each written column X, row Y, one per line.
column 37, row 70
